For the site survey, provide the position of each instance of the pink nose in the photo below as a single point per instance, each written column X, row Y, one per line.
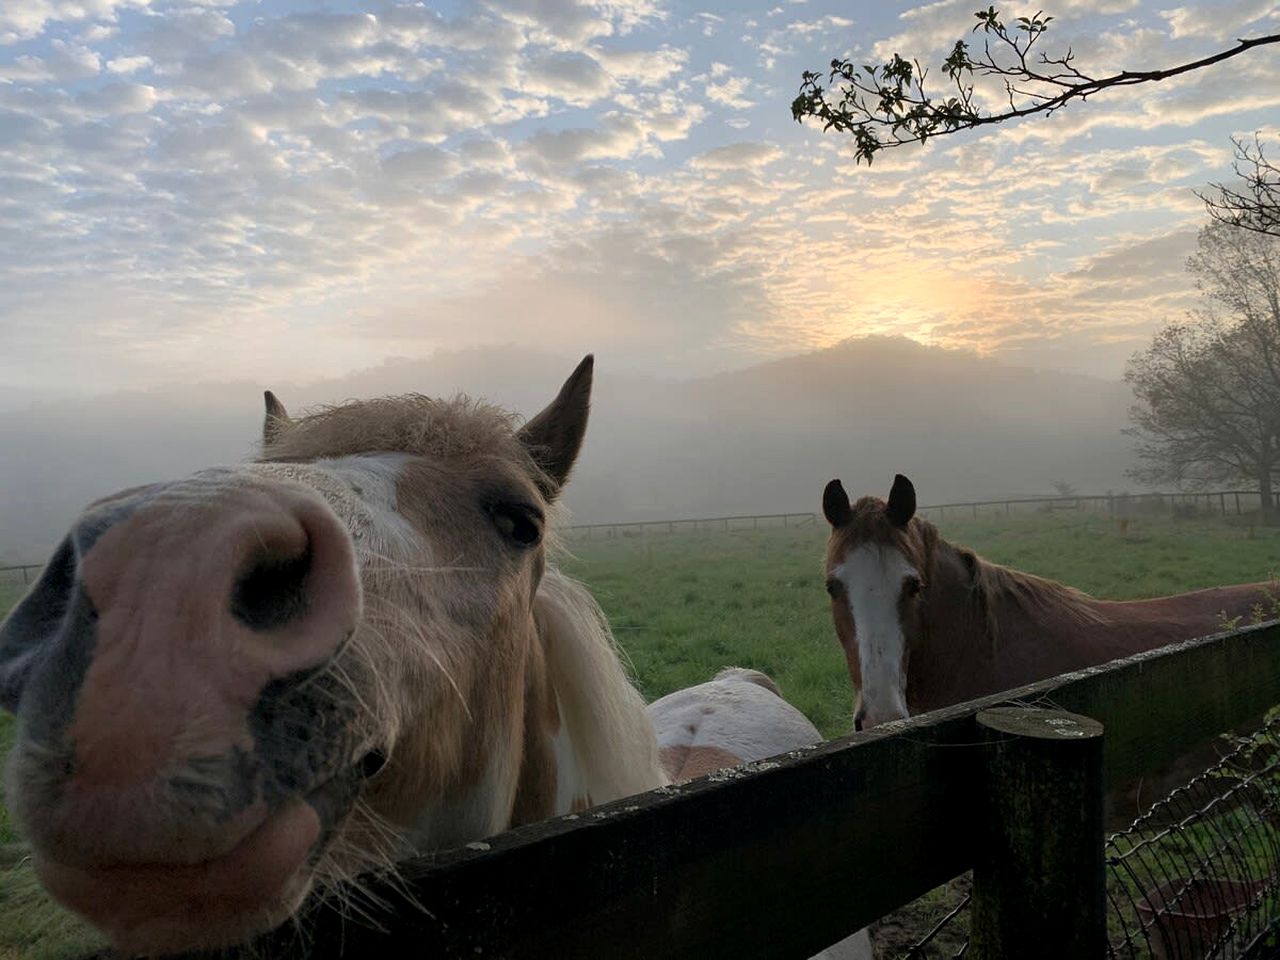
column 211, row 590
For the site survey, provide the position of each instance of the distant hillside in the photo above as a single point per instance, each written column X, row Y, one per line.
column 761, row 439
column 769, row 437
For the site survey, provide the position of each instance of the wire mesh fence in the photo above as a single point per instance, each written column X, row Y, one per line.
column 1195, row 877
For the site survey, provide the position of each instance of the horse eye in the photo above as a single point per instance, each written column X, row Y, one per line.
column 833, row 586
column 519, row 523
column 911, row 586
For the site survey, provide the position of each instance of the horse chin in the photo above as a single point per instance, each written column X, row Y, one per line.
column 170, row 907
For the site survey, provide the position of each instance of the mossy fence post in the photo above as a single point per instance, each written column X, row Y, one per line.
column 1039, row 882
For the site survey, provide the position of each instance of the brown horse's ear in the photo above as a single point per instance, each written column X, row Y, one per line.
column 276, row 421
column 835, row 505
column 902, row 501
column 554, row 437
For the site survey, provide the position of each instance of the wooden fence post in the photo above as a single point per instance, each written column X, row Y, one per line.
column 1039, row 886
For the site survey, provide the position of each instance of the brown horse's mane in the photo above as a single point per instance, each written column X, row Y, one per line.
column 992, row 588
column 412, row 423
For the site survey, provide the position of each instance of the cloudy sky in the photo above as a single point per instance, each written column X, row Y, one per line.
column 285, row 190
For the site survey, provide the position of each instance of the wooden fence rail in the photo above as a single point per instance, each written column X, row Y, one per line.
column 784, row 857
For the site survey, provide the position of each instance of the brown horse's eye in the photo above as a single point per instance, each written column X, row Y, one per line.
column 834, row 586
column 519, row 523
column 911, row 586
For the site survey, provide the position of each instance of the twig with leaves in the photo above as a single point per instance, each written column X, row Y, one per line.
column 889, row 105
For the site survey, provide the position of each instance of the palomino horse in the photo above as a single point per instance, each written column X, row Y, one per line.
column 925, row 624
column 258, row 681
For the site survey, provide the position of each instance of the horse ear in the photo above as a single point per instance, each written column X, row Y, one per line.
column 835, row 505
column 902, row 501
column 554, row 437
column 276, row 421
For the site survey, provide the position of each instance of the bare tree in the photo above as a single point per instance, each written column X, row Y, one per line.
column 1208, row 388
column 1256, row 204
column 890, row 104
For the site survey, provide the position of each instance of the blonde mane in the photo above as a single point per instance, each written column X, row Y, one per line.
column 602, row 710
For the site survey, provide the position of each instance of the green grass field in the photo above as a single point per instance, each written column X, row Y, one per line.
column 685, row 605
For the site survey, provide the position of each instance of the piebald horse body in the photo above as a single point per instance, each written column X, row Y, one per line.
column 925, row 623
column 259, row 681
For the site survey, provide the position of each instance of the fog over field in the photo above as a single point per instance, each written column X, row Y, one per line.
column 761, row 439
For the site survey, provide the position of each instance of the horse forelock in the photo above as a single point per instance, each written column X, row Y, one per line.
column 869, row 523
column 455, row 428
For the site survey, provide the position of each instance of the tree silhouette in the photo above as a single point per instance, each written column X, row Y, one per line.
column 1208, row 388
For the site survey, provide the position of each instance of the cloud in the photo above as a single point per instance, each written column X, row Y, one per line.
column 26, row 19
column 65, row 63
column 618, row 136
column 119, row 98
column 738, row 156
column 729, row 93
column 128, row 65
column 822, row 26
column 185, row 185
column 647, row 68
column 421, row 165
column 572, row 77
column 577, row 22
column 1222, row 20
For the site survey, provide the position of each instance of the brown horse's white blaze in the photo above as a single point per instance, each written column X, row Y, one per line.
column 239, row 685
column 925, row 624
column 874, row 584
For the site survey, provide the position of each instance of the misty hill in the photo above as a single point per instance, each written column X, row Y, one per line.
column 762, row 439
column 770, row 436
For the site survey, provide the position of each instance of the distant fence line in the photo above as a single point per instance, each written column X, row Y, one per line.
column 1121, row 505
column 27, row 571
column 1221, row 502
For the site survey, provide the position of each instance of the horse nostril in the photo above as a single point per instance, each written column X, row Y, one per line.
column 372, row 763
column 272, row 591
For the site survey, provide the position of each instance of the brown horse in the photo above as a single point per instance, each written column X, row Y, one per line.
column 257, row 681
column 925, row 623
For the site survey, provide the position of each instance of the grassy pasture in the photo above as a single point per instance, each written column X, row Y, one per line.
column 684, row 605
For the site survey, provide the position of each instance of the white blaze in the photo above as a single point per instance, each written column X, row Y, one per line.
column 872, row 576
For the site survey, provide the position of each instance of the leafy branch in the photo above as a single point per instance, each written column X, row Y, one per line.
column 889, row 104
